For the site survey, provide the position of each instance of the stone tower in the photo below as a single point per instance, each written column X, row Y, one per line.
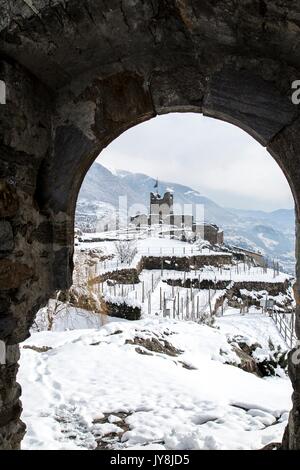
column 161, row 208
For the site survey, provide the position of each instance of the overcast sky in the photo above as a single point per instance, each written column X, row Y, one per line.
column 218, row 159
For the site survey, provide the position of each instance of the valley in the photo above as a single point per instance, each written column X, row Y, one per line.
column 271, row 233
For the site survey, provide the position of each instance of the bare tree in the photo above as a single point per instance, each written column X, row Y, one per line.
column 67, row 306
column 47, row 315
column 125, row 250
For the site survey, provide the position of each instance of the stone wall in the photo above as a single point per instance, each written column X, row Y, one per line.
column 25, row 232
column 273, row 288
column 122, row 310
column 12, row 429
column 184, row 263
column 120, row 276
column 68, row 98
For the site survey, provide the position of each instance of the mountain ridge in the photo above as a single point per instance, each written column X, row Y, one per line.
column 272, row 233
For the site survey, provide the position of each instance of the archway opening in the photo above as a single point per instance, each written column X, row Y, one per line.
column 195, row 294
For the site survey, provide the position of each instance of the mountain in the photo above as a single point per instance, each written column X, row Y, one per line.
column 272, row 233
column 102, row 185
column 280, row 218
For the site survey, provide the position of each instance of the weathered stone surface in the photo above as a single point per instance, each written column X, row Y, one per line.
column 249, row 102
column 77, row 75
column 4, row 304
column 150, row 31
column 247, row 363
column 24, row 138
column 178, row 90
column 63, row 278
column 6, row 236
column 43, row 233
column 153, row 344
column 122, row 311
column 285, row 148
column 13, row 274
column 122, row 276
column 70, row 148
column 12, row 353
column 7, row 326
column 183, row 263
column 125, row 99
column 8, row 200
column 12, row 434
column 292, row 432
column 12, row 429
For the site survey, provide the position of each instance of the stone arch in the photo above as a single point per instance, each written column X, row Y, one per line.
column 117, row 103
column 79, row 136
column 239, row 98
column 67, row 98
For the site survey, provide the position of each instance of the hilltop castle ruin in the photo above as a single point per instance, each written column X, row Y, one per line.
column 161, row 212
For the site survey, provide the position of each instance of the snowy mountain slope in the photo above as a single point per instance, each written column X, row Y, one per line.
column 102, row 185
column 270, row 241
column 143, row 185
column 282, row 219
column 271, row 233
column 85, row 387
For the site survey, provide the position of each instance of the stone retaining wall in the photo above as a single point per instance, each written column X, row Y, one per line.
column 122, row 310
column 273, row 288
column 184, row 263
column 67, row 99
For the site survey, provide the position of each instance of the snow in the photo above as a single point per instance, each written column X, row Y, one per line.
column 94, row 380
column 69, row 318
column 150, row 292
column 90, row 374
column 158, row 246
column 267, row 241
column 253, row 327
column 232, row 273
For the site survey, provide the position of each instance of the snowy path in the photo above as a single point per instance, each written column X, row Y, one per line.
column 76, row 392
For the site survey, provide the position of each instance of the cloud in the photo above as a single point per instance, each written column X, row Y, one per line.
column 216, row 158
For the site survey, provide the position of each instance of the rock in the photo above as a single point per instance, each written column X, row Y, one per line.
column 13, row 274
column 39, row 349
column 4, row 304
column 248, row 349
column 230, row 96
column 9, row 203
column 272, row 446
column 12, row 353
column 122, row 310
column 187, row 366
column 7, row 325
column 62, row 267
column 152, row 344
column 263, row 367
column 8, row 414
column 143, row 352
column 71, row 98
column 248, row 364
column 6, row 236
column 122, row 276
column 276, row 359
column 43, row 233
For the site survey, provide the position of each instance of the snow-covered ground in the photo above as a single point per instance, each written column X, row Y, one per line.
column 164, row 381
column 150, row 292
column 166, row 247
column 151, row 246
column 84, row 385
